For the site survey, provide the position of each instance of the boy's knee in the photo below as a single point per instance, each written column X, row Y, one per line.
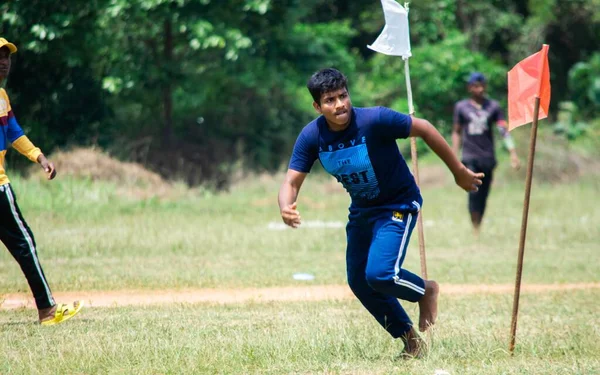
column 357, row 283
column 379, row 280
column 21, row 253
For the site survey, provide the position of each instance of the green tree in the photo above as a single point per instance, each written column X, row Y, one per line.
column 234, row 72
column 54, row 84
column 191, row 87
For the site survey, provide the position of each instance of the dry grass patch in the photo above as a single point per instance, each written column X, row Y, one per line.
column 132, row 179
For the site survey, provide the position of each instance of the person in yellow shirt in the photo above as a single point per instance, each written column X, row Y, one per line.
column 14, row 231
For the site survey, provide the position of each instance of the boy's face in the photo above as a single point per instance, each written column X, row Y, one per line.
column 477, row 89
column 335, row 106
column 4, row 62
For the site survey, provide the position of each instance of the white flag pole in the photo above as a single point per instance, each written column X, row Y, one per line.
column 411, row 108
column 394, row 40
column 415, row 163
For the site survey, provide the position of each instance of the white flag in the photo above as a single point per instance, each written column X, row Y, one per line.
column 395, row 38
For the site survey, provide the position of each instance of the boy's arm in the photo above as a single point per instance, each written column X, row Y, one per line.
column 288, row 193
column 456, row 139
column 26, row 148
column 456, row 130
column 21, row 143
column 464, row 177
column 509, row 143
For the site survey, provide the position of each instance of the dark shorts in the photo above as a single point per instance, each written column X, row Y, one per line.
column 477, row 200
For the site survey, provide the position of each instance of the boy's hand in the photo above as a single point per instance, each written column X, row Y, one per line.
column 515, row 162
column 468, row 180
column 291, row 216
column 47, row 166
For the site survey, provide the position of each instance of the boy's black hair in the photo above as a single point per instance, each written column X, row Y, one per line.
column 324, row 81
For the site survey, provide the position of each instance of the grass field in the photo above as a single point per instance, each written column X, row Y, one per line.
column 558, row 335
column 91, row 238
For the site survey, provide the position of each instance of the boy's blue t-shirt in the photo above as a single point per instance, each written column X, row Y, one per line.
column 364, row 157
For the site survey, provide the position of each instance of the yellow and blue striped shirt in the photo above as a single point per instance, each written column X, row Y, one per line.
column 12, row 133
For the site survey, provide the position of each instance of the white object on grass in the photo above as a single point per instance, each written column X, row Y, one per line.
column 303, row 276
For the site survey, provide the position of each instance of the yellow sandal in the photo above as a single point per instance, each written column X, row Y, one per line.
column 64, row 311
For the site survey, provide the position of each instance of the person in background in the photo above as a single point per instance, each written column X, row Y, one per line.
column 473, row 124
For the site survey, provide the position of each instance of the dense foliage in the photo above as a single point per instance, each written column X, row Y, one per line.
column 194, row 88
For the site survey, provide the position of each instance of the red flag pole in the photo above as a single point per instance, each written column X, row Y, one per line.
column 515, row 311
column 529, row 178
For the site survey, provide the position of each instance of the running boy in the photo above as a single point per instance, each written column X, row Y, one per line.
column 358, row 147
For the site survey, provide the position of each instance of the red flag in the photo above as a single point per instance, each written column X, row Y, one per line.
column 527, row 80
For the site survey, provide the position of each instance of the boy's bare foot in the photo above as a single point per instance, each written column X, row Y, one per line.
column 414, row 345
column 428, row 305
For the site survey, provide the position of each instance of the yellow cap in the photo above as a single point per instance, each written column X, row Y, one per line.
column 5, row 43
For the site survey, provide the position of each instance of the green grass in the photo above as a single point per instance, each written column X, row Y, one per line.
column 558, row 334
column 90, row 238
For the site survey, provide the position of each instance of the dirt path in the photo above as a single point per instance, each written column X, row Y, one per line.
column 258, row 295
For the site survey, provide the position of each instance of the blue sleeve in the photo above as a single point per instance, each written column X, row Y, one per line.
column 305, row 151
column 13, row 131
column 394, row 124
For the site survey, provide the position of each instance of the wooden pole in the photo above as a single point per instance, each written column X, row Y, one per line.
column 415, row 163
column 515, row 311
